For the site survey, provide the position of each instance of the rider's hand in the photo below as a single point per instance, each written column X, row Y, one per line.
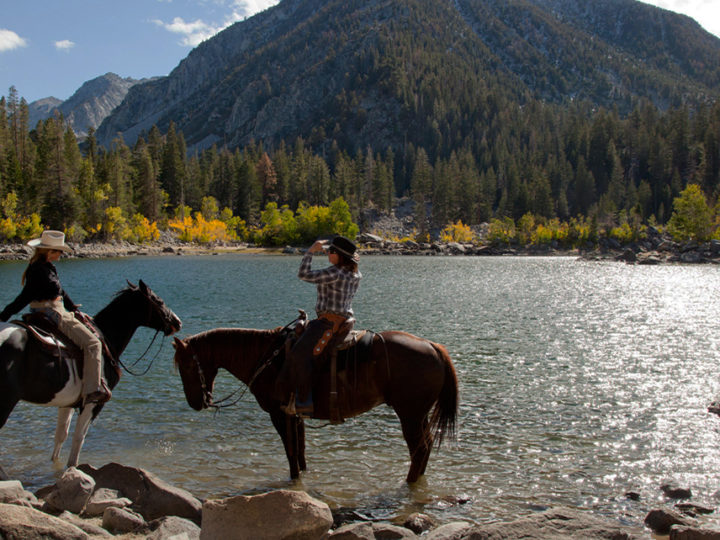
column 317, row 246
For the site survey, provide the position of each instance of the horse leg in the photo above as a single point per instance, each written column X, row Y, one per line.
column 419, row 443
column 61, row 430
column 301, row 443
column 6, row 407
column 286, row 426
column 81, row 428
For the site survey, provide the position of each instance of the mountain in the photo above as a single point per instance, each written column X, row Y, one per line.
column 88, row 106
column 385, row 73
column 42, row 109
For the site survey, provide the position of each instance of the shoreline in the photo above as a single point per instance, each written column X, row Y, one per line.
column 131, row 503
column 661, row 251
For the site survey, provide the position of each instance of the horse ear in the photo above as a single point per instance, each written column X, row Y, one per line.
column 179, row 344
column 144, row 288
column 131, row 285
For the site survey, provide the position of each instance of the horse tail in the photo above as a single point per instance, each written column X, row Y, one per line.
column 444, row 415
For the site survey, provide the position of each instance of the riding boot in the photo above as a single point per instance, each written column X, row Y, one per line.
column 301, row 360
column 94, row 387
column 305, row 408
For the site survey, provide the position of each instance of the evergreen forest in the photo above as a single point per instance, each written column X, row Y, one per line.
column 553, row 163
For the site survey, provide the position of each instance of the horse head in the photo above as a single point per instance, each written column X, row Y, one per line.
column 198, row 377
column 158, row 315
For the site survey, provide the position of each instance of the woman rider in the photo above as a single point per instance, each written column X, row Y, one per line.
column 336, row 287
column 42, row 290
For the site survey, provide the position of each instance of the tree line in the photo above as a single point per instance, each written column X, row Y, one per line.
column 540, row 159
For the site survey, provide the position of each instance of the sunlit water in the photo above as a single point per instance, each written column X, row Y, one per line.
column 579, row 382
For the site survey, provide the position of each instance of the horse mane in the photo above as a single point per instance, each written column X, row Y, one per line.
column 115, row 298
column 228, row 340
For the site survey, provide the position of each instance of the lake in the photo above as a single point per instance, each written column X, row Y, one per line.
column 580, row 381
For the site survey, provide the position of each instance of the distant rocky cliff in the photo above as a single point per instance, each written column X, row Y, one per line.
column 87, row 107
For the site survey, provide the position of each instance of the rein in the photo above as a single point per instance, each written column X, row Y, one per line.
column 221, row 403
column 142, row 356
column 225, row 402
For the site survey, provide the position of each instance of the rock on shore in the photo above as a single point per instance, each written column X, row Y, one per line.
column 127, row 503
column 131, row 503
column 656, row 248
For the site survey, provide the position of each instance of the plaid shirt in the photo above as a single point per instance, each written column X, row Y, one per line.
column 335, row 286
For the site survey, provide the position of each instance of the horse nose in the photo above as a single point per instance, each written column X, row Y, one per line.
column 174, row 326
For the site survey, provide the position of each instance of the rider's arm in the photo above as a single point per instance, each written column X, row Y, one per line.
column 22, row 300
column 326, row 275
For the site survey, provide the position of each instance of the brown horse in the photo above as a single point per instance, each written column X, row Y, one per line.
column 412, row 375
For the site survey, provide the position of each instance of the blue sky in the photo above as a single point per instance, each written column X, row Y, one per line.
column 51, row 47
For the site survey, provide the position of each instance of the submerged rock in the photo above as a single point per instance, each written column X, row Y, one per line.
column 556, row 523
column 660, row 521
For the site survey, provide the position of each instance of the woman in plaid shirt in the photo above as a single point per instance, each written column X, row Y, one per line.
column 336, row 287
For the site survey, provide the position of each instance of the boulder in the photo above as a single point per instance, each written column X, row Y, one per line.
column 103, row 498
column 71, row 492
column 628, row 255
column 367, row 238
column 660, row 520
column 12, row 491
column 122, row 520
column 354, row 531
column 666, row 245
column 556, row 523
column 456, row 248
column 172, row 528
column 679, row 532
column 30, row 524
column 86, row 525
column 419, row 523
column 449, row 531
column 151, row 497
column 648, row 259
column 694, row 508
column 256, row 517
column 692, row 245
column 692, row 257
column 388, row 531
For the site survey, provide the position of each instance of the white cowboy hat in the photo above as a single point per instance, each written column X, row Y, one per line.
column 50, row 240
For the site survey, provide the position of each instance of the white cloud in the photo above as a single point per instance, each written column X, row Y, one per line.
column 195, row 32
column 251, row 7
column 9, row 40
column 64, row 45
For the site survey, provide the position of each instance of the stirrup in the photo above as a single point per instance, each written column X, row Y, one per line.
column 290, row 407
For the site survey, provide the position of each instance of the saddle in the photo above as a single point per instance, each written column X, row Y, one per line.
column 334, row 355
column 45, row 333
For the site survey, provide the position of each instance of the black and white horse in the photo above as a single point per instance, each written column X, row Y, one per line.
column 30, row 373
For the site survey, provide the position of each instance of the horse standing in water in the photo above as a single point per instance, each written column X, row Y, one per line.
column 412, row 375
column 30, row 373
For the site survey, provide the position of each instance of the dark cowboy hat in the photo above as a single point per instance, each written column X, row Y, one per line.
column 345, row 247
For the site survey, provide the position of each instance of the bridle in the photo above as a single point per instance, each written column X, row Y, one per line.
column 268, row 359
column 152, row 306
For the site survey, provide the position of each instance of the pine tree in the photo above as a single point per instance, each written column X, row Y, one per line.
column 172, row 167
column 59, row 203
column 267, row 177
